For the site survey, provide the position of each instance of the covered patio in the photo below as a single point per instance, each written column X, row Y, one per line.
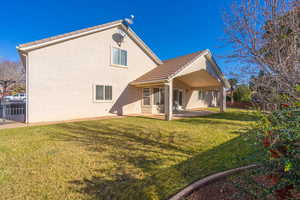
column 182, row 84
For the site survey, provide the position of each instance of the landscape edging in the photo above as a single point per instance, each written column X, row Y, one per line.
column 190, row 188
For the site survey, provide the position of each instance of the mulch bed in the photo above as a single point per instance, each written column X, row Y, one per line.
column 229, row 189
column 223, row 189
column 241, row 105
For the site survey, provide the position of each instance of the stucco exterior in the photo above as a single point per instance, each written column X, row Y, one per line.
column 61, row 74
column 61, row 78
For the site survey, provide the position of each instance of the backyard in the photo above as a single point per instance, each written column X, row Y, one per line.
column 124, row 158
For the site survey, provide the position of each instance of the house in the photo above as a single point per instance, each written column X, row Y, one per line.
column 108, row 70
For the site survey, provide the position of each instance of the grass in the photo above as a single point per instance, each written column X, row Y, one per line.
column 128, row 158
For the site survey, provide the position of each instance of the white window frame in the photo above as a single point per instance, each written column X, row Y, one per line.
column 203, row 94
column 102, row 101
column 160, row 91
column 112, row 57
column 146, row 96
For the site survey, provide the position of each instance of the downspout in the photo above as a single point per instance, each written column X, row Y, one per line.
column 26, row 86
column 24, row 53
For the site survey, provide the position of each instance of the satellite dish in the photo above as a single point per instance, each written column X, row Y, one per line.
column 118, row 38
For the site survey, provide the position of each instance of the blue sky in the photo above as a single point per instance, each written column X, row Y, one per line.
column 169, row 28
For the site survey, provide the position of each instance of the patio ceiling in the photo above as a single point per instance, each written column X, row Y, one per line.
column 200, row 78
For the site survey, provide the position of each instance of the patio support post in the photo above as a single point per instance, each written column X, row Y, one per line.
column 222, row 99
column 169, row 100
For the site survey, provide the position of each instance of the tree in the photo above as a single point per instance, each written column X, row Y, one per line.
column 264, row 36
column 233, row 83
column 10, row 74
column 242, row 93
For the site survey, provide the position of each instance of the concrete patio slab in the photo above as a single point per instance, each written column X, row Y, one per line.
column 178, row 114
column 12, row 124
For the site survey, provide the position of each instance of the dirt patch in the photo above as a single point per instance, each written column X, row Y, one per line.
column 235, row 187
column 241, row 105
column 223, row 189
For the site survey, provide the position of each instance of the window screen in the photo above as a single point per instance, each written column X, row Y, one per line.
column 159, row 96
column 146, row 96
column 156, row 96
column 119, row 56
column 103, row 92
column 108, row 92
column 201, row 95
column 99, row 92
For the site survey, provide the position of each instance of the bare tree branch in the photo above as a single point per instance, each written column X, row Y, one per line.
column 10, row 73
column 264, row 36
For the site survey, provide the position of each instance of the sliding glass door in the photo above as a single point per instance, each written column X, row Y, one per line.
column 177, row 97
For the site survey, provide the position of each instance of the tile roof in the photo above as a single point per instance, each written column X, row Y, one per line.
column 70, row 33
column 168, row 68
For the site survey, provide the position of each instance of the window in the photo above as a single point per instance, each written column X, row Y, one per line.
column 103, row 92
column 159, row 96
column 146, row 96
column 99, row 92
column 108, row 92
column 201, row 95
column 119, row 56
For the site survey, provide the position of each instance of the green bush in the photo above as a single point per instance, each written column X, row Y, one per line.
column 279, row 133
column 242, row 94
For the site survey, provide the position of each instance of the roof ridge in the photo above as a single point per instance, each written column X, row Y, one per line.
column 166, row 70
column 178, row 57
column 58, row 36
column 191, row 60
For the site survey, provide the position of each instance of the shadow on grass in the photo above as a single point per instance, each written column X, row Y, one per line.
column 197, row 121
column 121, row 136
column 139, row 153
column 201, row 120
column 237, row 116
column 161, row 183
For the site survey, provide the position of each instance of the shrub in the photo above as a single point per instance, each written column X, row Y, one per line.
column 242, row 93
column 279, row 133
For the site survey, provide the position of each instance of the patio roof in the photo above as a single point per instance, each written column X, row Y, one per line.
column 168, row 68
column 174, row 67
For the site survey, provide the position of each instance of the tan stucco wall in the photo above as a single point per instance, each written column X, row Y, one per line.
column 190, row 95
column 61, row 78
column 194, row 102
column 198, row 64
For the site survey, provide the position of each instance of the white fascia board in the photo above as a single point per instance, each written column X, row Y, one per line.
column 142, row 44
column 205, row 52
column 149, row 82
column 34, row 46
column 127, row 29
column 218, row 70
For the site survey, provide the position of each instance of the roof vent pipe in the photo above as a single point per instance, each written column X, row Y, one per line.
column 129, row 21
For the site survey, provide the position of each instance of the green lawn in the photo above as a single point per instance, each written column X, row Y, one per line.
column 132, row 158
